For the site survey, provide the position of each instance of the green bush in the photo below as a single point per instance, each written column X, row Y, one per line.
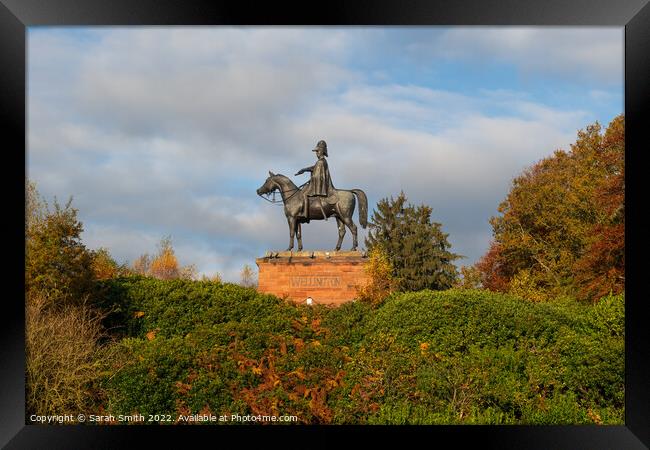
column 429, row 357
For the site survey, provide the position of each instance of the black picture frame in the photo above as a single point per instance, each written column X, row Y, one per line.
column 634, row 15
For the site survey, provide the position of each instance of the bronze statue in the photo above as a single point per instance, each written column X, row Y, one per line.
column 326, row 201
column 320, row 185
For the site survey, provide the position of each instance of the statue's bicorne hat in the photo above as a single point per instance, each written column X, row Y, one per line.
column 321, row 144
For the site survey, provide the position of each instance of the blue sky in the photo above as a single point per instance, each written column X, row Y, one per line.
column 160, row 131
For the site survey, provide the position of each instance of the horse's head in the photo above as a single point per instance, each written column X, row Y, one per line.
column 269, row 185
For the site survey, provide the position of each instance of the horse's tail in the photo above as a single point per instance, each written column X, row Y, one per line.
column 363, row 207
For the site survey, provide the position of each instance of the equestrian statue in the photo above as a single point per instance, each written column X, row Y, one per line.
column 317, row 199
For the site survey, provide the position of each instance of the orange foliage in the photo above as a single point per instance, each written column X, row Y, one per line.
column 494, row 275
column 601, row 269
column 302, row 392
column 165, row 265
column 561, row 228
column 104, row 266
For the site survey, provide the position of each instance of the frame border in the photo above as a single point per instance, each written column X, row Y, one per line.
column 634, row 15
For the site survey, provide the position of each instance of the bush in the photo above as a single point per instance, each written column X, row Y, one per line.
column 429, row 357
column 64, row 361
column 478, row 357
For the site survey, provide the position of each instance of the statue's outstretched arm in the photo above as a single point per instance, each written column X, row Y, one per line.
column 306, row 169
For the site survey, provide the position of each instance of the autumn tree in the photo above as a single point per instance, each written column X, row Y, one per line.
column 381, row 282
column 417, row 248
column 165, row 265
column 560, row 231
column 142, row 264
column 493, row 269
column 57, row 263
column 470, row 278
column 188, row 272
column 105, row 267
column 601, row 268
column 248, row 276
column 62, row 330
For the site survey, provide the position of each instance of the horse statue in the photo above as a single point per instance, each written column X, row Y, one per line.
column 340, row 204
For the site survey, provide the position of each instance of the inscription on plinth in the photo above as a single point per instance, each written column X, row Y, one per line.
column 325, row 277
column 315, row 281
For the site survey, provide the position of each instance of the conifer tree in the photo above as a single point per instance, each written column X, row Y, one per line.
column 417, row 248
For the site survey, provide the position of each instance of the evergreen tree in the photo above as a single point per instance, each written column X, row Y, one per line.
column 417, row 248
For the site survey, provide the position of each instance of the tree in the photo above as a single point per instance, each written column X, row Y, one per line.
column 216, row 278
column 492, row 270
column 381, row 282
column 35, row 207
column 188, row 272
column 248, row 276
column 561, row 226
column 416, row 247
column 142, row 264
column 105, row 267
column 58, row 267
column 470, row 278
column 165, row 265
column 601, row 268
column 64, row 359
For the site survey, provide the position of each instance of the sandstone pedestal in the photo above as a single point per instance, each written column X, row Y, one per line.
column 325, row 277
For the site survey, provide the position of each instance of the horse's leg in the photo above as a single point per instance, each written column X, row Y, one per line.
column 299, row 235
column 292, row 230
column 353, row 228
column 341, row 227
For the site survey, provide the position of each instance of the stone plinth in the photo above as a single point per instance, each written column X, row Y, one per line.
column 325, row 277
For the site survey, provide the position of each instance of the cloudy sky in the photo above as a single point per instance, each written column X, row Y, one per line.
column 159, row 131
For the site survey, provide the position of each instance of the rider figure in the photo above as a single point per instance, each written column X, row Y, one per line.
column 320, row 184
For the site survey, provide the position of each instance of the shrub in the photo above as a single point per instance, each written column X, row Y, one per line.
column 64, row 360
column 429, row 357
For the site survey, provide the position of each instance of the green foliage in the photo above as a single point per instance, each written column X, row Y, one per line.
column 57, row 264
column 417, row 248
column 63, row 332
column 430, row 357
column 474, row 357
column 140, row 305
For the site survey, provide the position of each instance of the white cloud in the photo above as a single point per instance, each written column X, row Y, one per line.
column 580, row 53
column 161, row 131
